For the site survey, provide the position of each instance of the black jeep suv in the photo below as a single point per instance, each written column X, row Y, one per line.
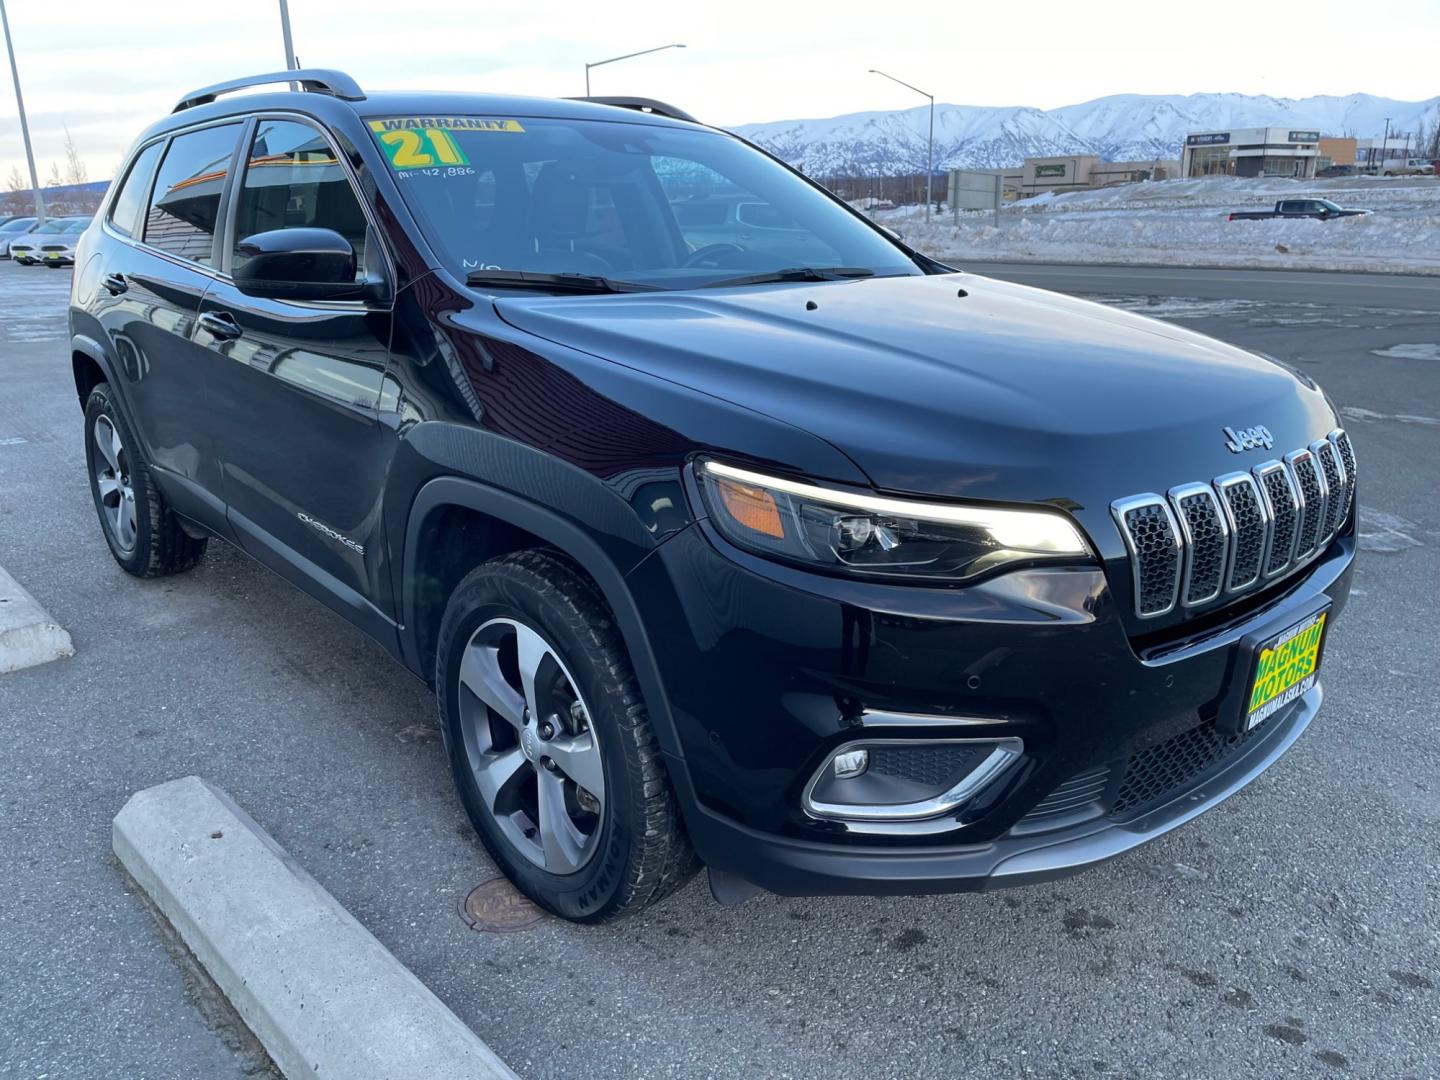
column 810, row 559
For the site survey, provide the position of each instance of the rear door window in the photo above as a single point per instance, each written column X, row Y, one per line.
column 184, row 208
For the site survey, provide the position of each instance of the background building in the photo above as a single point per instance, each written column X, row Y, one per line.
column 1377, row 154
column 1265, row 151
column 1335, row 151
column 1072, row 171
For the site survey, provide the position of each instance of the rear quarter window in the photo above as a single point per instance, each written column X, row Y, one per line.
column 135, row 191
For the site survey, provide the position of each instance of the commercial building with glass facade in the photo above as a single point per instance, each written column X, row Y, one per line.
column 1268, row 151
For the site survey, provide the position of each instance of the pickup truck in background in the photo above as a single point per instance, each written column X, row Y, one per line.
column 1298, row 208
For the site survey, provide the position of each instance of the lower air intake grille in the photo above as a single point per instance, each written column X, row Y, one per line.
column 1169, row 766
column 1074, row 794
column 933, row 766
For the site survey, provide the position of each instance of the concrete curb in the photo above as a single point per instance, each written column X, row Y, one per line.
column 28, row 635
column 323, row 996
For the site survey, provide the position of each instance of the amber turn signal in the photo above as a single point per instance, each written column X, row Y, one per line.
column 752, row 507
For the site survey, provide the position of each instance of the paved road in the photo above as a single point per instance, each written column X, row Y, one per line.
column 1293, row 932
column 1394, row 291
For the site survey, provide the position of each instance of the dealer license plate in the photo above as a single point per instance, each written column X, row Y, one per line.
column 1286, row 668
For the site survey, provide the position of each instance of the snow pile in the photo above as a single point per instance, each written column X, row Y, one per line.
column 1183, row 223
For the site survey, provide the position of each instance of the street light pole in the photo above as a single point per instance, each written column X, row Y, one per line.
column 930, row 150
column 24, row 125
column 290, row 63
column 627, row 56
column 1384, row 146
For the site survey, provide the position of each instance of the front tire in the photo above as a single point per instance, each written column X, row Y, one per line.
column 143, row 534
column 550, row 744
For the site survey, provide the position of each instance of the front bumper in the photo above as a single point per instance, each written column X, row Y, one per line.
column 799, row 868
column 767, row 670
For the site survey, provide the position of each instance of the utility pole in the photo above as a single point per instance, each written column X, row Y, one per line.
column 290, row 64
column 613, row 59
column 930, row 145
column 24, row 125
column 1384, row 146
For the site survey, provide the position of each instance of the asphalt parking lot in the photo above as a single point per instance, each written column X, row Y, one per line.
column 1292, row 932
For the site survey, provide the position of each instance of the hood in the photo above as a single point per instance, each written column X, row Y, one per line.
column 957, row 385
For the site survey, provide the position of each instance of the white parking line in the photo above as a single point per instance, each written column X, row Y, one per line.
column 322, row 995
column 28, row 635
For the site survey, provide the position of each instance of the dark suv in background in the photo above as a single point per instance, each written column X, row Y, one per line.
column 811, row 557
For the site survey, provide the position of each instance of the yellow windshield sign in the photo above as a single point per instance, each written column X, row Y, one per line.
column 427, row 142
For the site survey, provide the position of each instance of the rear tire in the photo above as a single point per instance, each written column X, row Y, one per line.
column 143, row 534
column 584, row 855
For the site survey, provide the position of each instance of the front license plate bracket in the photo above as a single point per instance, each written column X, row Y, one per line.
column 1274, row 666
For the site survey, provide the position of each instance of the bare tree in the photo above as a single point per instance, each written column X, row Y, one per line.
column 74, row 166
column 16, row 194
column 1431, row 149
column 55, row 179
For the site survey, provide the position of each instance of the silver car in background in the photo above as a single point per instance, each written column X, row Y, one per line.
column 52, row 243
column 11, row 230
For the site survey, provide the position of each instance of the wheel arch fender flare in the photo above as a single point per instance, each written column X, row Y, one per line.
column 90, row 348
column 94, row 350
column 566, row 536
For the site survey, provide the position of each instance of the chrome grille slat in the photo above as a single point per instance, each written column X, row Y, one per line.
column 1201, row 541
column 1283, row 502
column 1152, row 538
column 1309, row 487
column 1205, row 540
column 1347, row 459
column 1334, row 473
column 1249, row 528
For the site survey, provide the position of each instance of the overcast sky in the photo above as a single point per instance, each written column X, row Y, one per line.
column 106, row 69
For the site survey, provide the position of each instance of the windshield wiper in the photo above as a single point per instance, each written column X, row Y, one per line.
column 794, row 273
column 527, row 279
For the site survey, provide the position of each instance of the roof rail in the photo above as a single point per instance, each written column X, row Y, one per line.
column 314, row 80
column 642, row 104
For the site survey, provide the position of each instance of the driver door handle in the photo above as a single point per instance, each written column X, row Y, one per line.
column 115, row 284
column 220, row 326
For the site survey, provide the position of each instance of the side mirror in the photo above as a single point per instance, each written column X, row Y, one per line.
column 298, row 264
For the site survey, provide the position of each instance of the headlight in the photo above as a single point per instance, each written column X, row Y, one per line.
column 877, row 536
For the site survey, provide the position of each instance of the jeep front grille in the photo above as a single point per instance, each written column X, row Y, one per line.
column 1201, row 541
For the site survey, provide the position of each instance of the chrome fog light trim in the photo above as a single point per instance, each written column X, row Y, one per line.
column 1003, row 753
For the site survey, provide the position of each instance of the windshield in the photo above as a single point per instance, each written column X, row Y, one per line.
column 669, row 207
column 18, row 225
column 1326, row 204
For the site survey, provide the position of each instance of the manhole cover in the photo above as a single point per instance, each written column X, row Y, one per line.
column 498, row 907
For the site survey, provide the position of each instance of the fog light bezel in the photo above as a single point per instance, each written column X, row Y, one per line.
column 1005, row 752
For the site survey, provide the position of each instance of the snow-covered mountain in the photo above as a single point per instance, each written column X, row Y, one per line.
column 1122, row 127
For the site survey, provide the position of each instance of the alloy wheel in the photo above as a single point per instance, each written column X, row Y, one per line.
column 531, row 746
column 113, row 483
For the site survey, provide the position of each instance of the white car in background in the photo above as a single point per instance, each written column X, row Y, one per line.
column 12, row 229
column 52, row 243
